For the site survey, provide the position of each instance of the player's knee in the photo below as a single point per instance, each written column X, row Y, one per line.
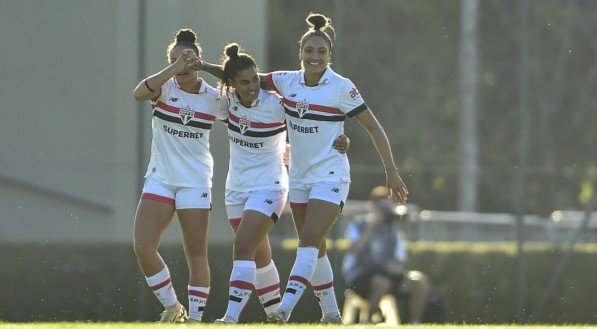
column 243, row 249
column 144, row 250
column 310, row 238
column 262, row 260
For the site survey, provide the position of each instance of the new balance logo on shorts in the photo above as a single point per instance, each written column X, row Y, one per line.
column 173, row 99
column 335, row 190
column 268, row 201
column 204, row 195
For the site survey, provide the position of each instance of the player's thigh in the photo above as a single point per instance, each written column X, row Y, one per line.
column 299, row 199
column 326, row 200
column 235, row 206
column 193, row 207
column 252, row 231
column 319, row 218
column 262, row 210
column 154, row 214
column 194, row 224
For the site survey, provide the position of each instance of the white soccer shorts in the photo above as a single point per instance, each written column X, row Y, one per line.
column 334, row 192
column 179, row 197
column 268, row 202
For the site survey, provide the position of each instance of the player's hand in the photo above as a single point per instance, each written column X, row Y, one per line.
column 197, row 65
column 341, row 144
column 396, row 187
column 186, row 59
column 286, row 157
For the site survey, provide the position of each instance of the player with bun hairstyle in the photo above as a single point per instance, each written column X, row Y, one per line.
column 316, row 102
column 257, row 183
column 179, row 174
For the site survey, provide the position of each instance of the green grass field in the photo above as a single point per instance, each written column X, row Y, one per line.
column 116, row 325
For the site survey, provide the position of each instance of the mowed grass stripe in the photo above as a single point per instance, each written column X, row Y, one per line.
column 117, row 325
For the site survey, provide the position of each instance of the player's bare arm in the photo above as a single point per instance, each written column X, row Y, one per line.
column 149, row 88
column 213, row 69
column 396, row 187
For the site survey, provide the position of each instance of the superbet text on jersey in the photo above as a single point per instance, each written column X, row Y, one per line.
column 180, row 145
column 315, row 118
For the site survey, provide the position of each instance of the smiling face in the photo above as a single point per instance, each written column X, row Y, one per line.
column 247, row 84
column 315, row 55
column 188, row 75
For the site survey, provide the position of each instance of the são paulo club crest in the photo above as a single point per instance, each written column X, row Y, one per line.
column 186, row 114
column 244, row 124
column 302, row 108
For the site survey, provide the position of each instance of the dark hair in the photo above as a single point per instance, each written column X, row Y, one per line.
column 233, row 62
column 317, row 24
column 185, row 37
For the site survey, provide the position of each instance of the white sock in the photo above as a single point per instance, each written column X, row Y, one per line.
column 197, row 301
column 322, row 283
column 267, row 284
column 242, row 282
column 302, row 271
column 162, row 287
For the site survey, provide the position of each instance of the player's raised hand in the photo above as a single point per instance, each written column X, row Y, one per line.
column 197, row 65
column 185, row 60
column 396, row 187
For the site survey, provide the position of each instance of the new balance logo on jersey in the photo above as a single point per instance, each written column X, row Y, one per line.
column 235, row 108
column 292, row 95
column 244, row 124
column 268, row 201
column 331, row 172
column 335, row 190
column 186, row 114
column 204, row 195
column 302, row 108
column 173, row 99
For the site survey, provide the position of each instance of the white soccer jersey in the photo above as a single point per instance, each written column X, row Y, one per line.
column 180, row 145
column 257, row 143
column 315, row 118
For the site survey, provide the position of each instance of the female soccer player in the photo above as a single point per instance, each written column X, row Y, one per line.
column 257, row 183
column 317, row 100
column 179, row 175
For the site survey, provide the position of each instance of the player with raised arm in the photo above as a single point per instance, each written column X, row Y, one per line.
column 317, row 101
column 179, row 175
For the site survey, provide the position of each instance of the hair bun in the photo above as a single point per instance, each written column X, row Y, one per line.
column 318, row 21
column 186, row 36
column 231, row 50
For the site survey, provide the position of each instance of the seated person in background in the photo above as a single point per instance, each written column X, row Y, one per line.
column 374, row 263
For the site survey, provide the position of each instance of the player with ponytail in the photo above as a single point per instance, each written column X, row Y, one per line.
column 178, row 177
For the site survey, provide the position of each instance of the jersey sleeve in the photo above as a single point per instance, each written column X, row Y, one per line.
column 278, row 81
column 278, row 109
column 164, row 89
column 222, row 110
column 350, row 100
